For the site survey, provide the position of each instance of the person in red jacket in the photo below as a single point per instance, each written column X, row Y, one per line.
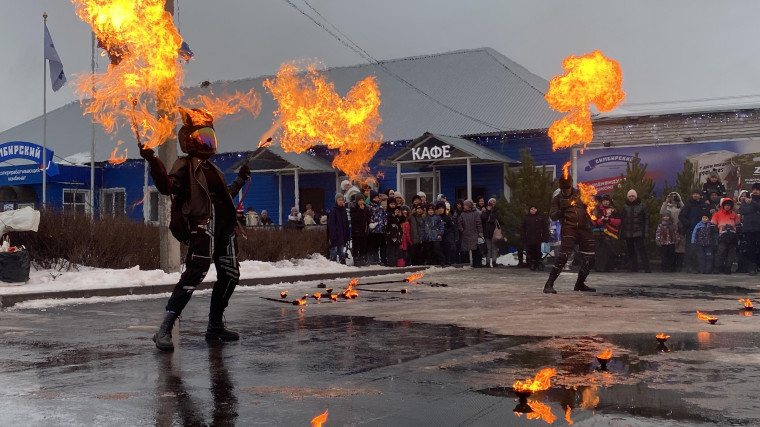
column 728, row 223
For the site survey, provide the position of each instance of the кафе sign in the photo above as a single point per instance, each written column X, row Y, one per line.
column 430, row 153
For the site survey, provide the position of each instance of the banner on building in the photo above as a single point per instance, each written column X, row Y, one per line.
column 29, row 151
column 736, row 162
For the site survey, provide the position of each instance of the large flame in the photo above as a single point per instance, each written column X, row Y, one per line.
column 319, row 419
column 589, row 79
column 566, row 170
column 541, row 382
column 540, row 411
column 414, row 276
column 747, row 302
column 350, row 291
column 311, row 112
column 605, row 355
column 703, row 316
column 145, row 75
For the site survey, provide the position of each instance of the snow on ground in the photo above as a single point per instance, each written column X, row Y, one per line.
column 102, row 278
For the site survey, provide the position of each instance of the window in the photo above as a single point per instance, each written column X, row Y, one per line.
column 113, row 202
column 75, row 200
column 412, row 183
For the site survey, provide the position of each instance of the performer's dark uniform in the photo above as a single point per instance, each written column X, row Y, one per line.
column 568, row 208
column 199, row 189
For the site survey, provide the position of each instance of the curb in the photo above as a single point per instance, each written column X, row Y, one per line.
column 10, row 300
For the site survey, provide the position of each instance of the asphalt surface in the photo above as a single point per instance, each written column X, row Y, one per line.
column 437, row 355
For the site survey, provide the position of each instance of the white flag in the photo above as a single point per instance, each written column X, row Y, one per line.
column 57, row 76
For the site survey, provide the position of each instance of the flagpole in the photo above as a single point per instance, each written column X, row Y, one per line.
column 44, row 119
column 92, row 139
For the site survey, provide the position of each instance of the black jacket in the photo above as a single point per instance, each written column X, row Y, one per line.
column 535, row 229
column 635, row 220
column 691, row 214
column 359, row 221
column 750, row 213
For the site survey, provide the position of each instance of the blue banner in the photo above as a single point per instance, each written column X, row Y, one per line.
column 27, row 150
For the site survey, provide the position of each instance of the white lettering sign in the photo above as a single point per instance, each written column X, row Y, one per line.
column 434, row 152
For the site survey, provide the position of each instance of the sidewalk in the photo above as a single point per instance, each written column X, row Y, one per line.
column 11, row 295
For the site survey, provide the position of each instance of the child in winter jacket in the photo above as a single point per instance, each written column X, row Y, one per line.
column 406, row 237
column 705, row 239
column 728, row 223
column 667, row 238
column 433, row 237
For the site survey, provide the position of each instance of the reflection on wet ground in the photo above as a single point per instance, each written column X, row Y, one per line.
column 683, row 291
column 293, row 364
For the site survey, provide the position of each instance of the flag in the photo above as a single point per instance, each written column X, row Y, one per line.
column 185, row 52
column 57, row 76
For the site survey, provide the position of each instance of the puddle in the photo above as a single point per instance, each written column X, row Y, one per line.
column 681, row 291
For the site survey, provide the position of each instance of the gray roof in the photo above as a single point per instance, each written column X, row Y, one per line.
column 461, row 149
column 466, row 92
column 275, row 159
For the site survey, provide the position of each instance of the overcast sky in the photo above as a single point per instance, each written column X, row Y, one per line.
column 668, row 50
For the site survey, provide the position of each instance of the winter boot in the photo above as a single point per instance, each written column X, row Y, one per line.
column 163, row 337
column 549, row 286
column 219, row 331
column 580, row 285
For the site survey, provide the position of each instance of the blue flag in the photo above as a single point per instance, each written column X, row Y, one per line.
column 57, row 76
column 185, row 52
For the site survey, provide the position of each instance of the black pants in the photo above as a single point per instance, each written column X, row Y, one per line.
column 584, row 238
column 691, row 257
column 635, row 250
column 451, row 255
column 605, row 254
column 749, row 250
column 434, row 253
column 392, row 254
column 534, row 255
column 376, row 240
column 477, row 259
column 705, row 257
column 724, row 258
column 668, row 260
column 417, row 254
column 359, row 248
column 212, row 243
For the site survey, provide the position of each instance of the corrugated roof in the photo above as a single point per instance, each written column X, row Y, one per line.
column 274, row 158
column 466, row 92
column 707, row 105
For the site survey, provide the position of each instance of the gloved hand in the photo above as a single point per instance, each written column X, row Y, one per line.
column 146, row 153
column 244, row 172
column 372, row 225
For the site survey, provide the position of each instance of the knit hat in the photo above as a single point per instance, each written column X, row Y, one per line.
column 491, row 200
column 666, row 213
column 440, row 205
column 339, row 196
column 293, row 210
column 632, row 192
column 714, row 174
column 606, row 197
column 345, row 183
column 469, row 203
column 440, row 196
column 696, row 191
column 263, row 211
column 422, row 194
column 373, row 194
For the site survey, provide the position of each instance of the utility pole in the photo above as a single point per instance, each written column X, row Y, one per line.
column 167, row 153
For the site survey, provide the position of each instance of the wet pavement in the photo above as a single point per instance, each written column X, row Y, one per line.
column 438, row 355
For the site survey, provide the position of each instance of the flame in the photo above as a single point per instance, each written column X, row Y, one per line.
column 702, row 316
column 540, row 411
column 284, row 294
column 662, row 336
column 313, row 113
column 746, row 312
column 334, row 297
column 145, row 75
column 319, row 419
column 590, row 397
column 299, row 302
column 566, row 170
column 541, row 382
column 350, row 291
column 747, row 303
column 606, row 355
column 414, row 276
column 317, row 296
column 587, row 197
column 114, row 159
column 589, row 79
column 567, row 416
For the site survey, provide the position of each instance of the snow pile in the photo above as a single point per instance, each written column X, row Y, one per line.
column 78, row 159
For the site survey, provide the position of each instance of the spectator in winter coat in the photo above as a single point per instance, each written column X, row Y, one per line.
column 359, row 232
column 673, row 204
column 490, row 218
column 416, row 231
column 667, row 238
column 728, row 223
column 713, row 201
column 295, row 222
column 377, row 222
column 704, row 239
column 691, row 215
column 406, row 238
column 450, row 233
column 634, row 229
column 470, row 229
column 433, row 237
column 252, row 218
column 265, row 219
column 337, row 228
column 606, row 220
column 713, row 184
column 534, row 231
column 750, row 214
column 455, row 213
column 393, row 233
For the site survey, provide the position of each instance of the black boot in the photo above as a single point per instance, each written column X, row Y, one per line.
column 217, row 330
column 163, row 337
column 549, row 286
column 580, row 285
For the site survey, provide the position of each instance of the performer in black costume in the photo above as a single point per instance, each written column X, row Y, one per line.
column 570, row 211
column 203, row 216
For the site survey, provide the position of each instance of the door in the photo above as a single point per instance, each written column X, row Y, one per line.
column 413, row 183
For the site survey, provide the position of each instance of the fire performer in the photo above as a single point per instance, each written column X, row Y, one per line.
column 203, row 216
column 570, row 211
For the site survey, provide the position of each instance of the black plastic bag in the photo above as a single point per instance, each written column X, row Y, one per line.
column 14, row 266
